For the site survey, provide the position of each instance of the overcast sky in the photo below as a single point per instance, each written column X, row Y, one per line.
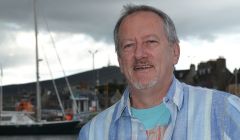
column 208, row 29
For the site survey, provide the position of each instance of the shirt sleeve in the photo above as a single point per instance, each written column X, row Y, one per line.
column 235, row 102
column 84, row 132
column 232, row 119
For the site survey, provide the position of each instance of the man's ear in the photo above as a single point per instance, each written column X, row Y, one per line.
column 176, row 53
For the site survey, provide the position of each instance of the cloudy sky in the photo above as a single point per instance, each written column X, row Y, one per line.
column 208, row 29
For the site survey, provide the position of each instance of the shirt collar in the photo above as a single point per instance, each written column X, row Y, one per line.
column 174, row 94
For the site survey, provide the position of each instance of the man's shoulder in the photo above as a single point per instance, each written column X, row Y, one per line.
column 105, row 114
column 98, row 124
column 199, row 90
column 100, row 121
column 217, row 96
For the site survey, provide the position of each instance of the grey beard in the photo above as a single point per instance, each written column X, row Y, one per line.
column 140, row 86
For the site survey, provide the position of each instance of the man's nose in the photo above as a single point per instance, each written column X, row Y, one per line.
column 140, row 51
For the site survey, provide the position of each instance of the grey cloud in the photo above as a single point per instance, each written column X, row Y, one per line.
column 90, row 17
column 9, row 57
column 206, row 19
column 193, row 18
column 201, row 19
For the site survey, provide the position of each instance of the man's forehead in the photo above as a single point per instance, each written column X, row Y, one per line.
column 145, row 23
column 140, row 19
column 145, row 14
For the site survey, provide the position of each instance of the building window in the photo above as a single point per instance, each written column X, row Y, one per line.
column 209, row 70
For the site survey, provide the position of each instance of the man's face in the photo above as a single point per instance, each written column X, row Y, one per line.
column 145, row 56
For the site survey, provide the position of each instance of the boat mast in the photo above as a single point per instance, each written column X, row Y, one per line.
column 38, row 96
column 1, row 93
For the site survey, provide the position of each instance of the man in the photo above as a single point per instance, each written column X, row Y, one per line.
column 155, row 105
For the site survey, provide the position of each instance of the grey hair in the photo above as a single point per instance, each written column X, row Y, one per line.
column 169, row 27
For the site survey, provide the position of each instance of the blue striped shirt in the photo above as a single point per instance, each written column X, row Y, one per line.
column 196, row 114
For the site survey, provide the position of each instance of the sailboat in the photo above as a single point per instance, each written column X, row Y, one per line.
column 22, row 123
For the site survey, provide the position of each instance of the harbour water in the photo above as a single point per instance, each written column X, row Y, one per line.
column 40, row 137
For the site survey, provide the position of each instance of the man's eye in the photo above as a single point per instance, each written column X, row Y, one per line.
column 151, row 42
column 128, row 46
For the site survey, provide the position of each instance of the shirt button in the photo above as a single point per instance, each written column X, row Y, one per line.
column 166, row 100
column 142, row 128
